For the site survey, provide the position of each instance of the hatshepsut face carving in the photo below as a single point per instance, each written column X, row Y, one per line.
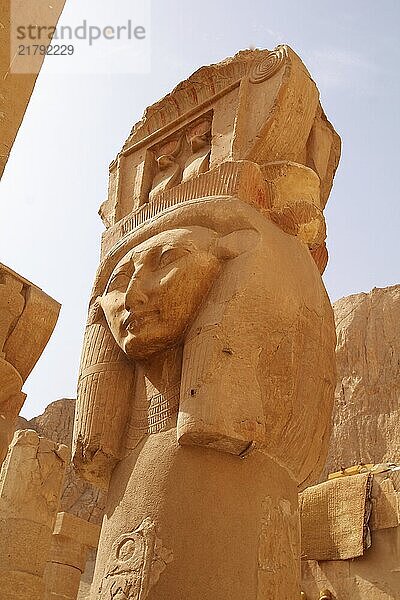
column 157, row 287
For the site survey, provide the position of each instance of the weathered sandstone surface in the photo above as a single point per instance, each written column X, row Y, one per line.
column 366, row 423
column 365, row 430
column 56, row 423
column 31, row 479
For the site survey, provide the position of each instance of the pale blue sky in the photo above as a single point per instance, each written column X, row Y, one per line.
column 56, row 177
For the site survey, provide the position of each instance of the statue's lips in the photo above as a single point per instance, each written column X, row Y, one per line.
column 139, row 318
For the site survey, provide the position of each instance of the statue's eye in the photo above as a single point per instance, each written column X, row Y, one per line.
column 119, row 282
column 170, row 255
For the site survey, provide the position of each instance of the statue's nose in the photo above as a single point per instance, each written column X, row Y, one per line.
column 135, row 294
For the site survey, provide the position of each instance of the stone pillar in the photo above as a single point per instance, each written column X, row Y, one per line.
column 17, row 87
column 27, row 319
column 11, row 401
column 72, row 540
column 207, row 374
column 31, row 480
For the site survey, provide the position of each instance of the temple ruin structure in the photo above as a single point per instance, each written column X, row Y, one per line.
column 31, row 480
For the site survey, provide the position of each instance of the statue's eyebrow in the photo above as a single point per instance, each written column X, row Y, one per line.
column 122, row 269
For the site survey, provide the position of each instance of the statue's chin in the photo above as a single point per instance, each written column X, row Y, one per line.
column 142, row 347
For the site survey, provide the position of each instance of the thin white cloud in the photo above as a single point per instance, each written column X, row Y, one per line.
column 343, row 58
column 334, row 67
column 274, row 34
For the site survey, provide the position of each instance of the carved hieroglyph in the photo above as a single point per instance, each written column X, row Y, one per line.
column 209, row 328
column 27, row 319
column 137, row 560
column 31, row 480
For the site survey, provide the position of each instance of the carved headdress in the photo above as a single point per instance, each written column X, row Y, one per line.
column 241, row 146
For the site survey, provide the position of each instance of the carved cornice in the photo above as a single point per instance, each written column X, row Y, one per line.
column 201, row 89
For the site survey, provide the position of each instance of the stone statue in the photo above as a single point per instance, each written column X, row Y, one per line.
column 27, row 320
column 207, row 372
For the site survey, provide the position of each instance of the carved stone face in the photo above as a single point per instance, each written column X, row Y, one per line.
column 157, row 288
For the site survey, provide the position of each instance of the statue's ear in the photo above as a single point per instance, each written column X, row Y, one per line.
column 236, row 243
column 96, row 314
